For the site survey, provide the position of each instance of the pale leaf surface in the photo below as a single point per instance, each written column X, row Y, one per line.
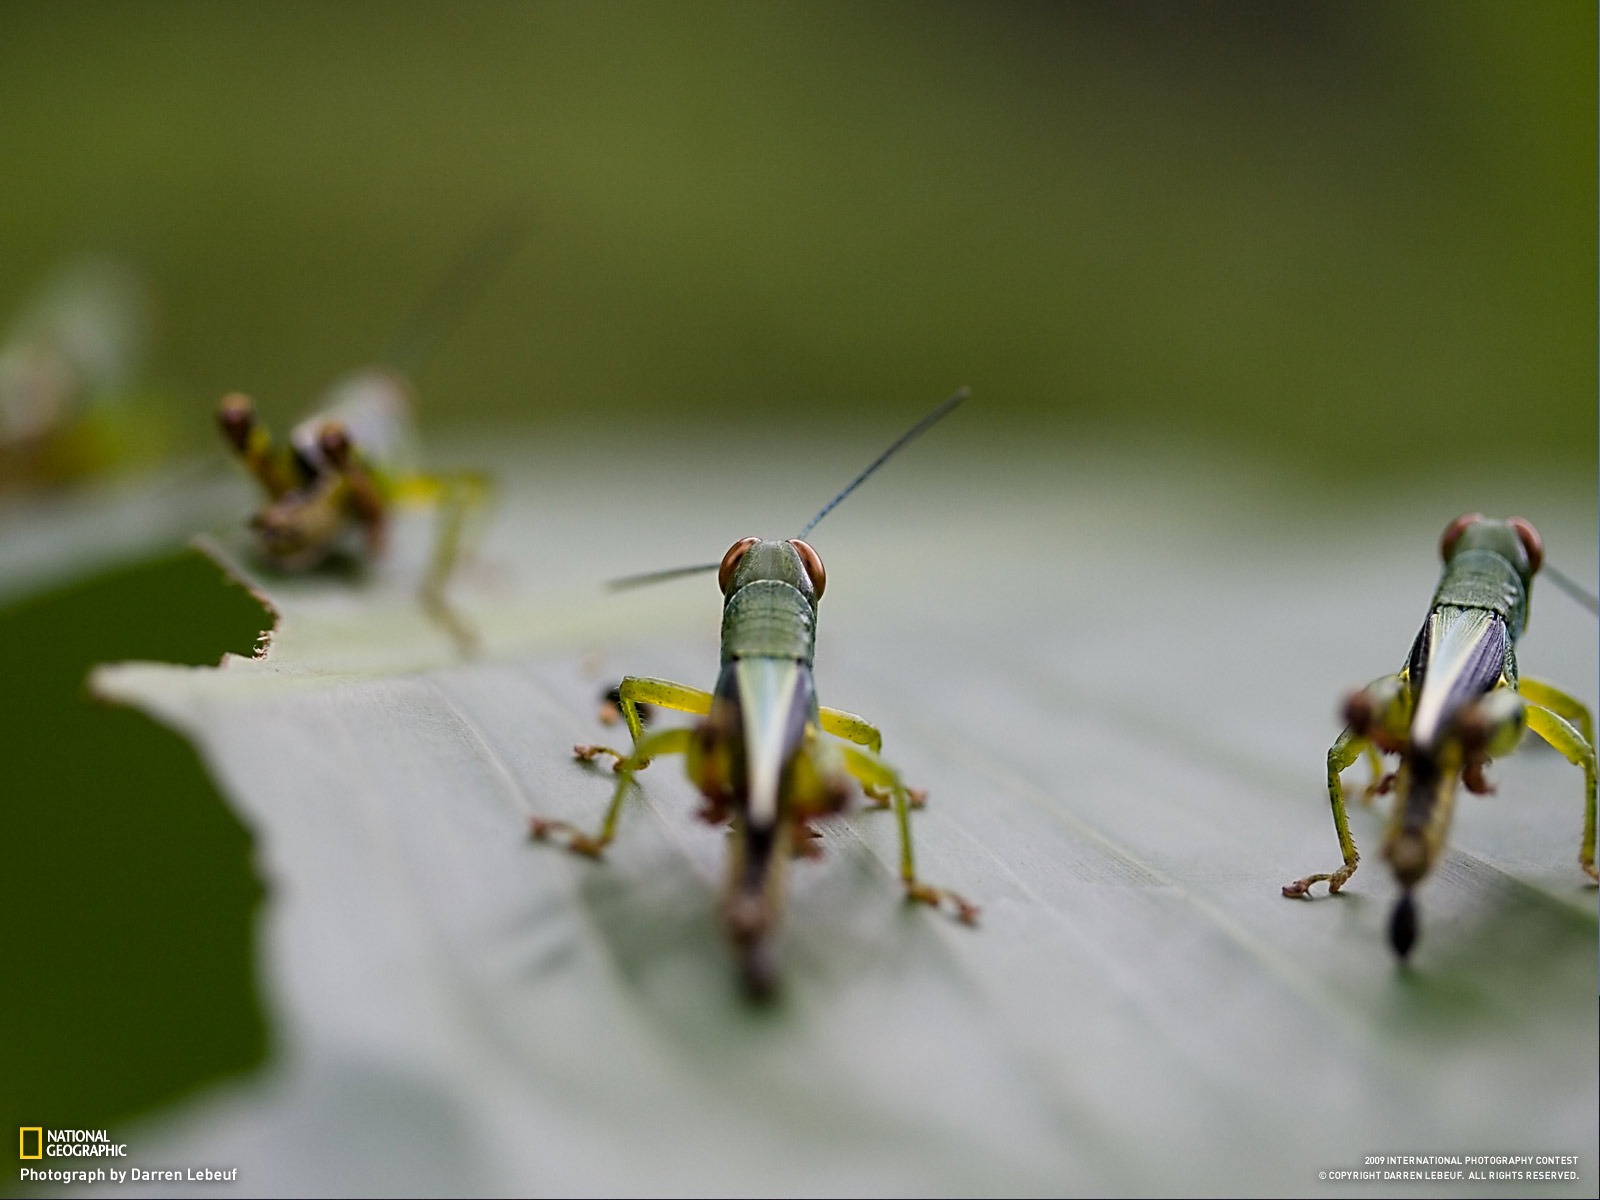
column 1118, row 685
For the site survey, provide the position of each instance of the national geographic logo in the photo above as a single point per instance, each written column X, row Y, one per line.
column 38, row 1142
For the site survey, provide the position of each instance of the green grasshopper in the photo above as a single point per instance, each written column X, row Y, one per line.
column 1454, row 705
column 757, row 754
column 333, row 484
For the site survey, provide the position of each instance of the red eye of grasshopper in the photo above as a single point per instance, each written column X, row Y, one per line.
column 813, row 566
column 237, row 416
column 1531, row 542
column 334, row 439
column 730, row 560
column 1453, row 532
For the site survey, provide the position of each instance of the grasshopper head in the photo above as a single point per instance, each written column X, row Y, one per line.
column 1514, row 539
column 793, row 562
column 300, row 530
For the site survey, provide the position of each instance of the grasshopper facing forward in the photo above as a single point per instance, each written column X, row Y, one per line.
column 758, row 755
column 1456, row 703
column 332, row 486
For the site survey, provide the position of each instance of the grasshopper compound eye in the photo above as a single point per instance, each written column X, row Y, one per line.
column 1454, row 530
column 334, row 441
column 237, row 416
column 730, row 560
column 1531, row 542
column 813, row 566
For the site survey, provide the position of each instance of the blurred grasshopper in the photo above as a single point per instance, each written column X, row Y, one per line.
column 1455, row 704
column 68, row 368
column 757, row 755
column 332, row 486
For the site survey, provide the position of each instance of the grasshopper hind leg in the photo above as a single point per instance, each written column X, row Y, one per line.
column 1342, row 754
column 864, row 733
column 591, row 845
column 871, row 771
column 1565, row 723
column 632, row 694
column 1378, row 716
column 457, row 498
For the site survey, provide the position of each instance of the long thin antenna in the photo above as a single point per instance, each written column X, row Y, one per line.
column 425, row 329
column 1572, row 588
column 633, row 581
column 910, row 435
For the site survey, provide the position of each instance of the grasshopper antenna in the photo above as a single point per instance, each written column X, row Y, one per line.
column 909, row 436
column 1573, row 588
column 649, row 577
column 424, row 330
column 905, row 439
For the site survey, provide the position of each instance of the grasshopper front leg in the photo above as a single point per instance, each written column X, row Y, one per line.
column 872, row 772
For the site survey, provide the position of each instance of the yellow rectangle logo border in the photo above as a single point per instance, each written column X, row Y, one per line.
column 22, row 1141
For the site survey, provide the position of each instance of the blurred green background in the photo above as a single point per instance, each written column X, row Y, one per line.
column 1353, row 239
column 1351, row 244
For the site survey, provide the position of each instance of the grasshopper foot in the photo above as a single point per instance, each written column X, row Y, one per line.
column 1301, row 888
column 573, row 838
column 958, row 906
column 1589, row 869
column 586, row 753
column 882, row 797
column 462, row 632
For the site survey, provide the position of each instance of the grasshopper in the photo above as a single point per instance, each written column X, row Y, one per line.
column 1455, row 704
column 332, row 485
column 757, row 754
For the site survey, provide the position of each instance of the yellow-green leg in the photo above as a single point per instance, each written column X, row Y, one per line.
column 667, row 741
column 1343, row 752
column 456, row 498
column 864, row 733
column 1381, row 780
column 1568, row 707
column 874, row 773
column 852, row 728
column 635, row 690
column 1564, row 722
